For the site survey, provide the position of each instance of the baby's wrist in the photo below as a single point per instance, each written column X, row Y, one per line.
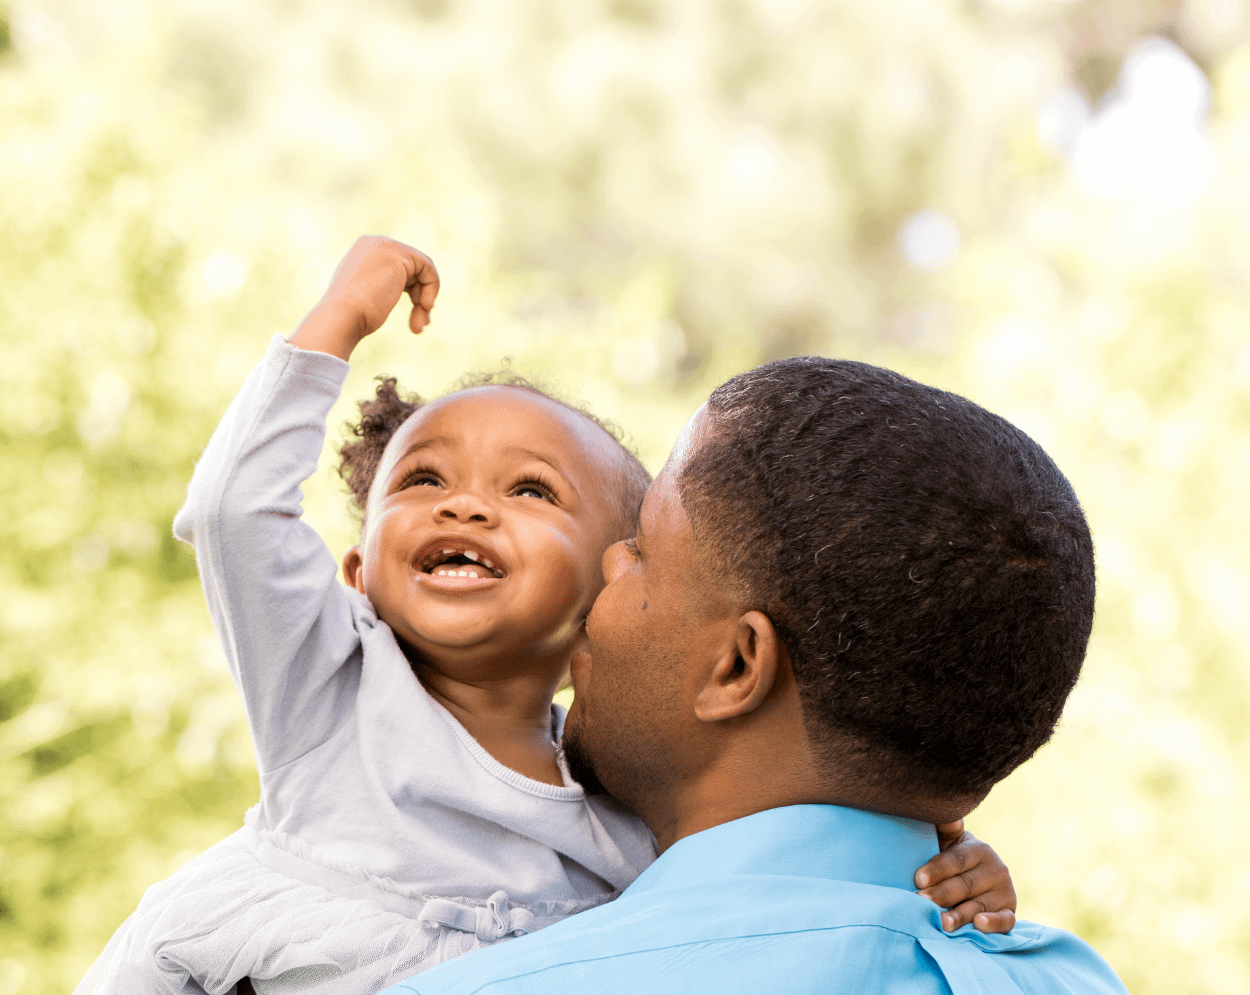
column 332, row 326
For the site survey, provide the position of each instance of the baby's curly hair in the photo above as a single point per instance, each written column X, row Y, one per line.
column 380, row 416
column 391, row 406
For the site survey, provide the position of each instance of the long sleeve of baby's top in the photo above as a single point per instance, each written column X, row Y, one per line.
column 368, row 785
column 285, row 623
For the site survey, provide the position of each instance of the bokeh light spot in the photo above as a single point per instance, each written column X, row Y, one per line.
column 224, row 273
column 1145, row 144
column 929, row 240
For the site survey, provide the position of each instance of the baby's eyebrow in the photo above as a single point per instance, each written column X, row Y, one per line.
column 549, row 460
column 430, row 443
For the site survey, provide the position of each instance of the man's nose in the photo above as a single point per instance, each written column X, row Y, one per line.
column 466, row 506
column 615, row 559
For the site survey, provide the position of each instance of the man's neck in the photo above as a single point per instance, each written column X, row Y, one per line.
column 734, row 788
column 729, row 788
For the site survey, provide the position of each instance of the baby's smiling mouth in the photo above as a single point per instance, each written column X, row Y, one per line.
column 452, row 562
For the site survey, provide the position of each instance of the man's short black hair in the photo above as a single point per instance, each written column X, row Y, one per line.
column 926, row 564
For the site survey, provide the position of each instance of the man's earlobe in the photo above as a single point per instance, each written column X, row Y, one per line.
column 744, row 675
column 353, row 575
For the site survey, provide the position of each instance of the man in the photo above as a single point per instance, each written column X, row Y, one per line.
column 854, row 604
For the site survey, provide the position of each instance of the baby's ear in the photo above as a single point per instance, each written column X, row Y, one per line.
column 353, row 575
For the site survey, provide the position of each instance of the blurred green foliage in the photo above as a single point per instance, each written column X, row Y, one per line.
column 632, row 199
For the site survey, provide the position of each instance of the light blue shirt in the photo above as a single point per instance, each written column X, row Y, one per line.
column 808, row 898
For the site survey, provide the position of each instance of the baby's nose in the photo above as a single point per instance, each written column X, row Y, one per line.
column 465, row 506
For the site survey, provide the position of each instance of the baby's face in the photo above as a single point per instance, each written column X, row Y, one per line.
column 485, row 527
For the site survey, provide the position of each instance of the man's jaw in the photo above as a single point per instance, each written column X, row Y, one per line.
column 579, row 765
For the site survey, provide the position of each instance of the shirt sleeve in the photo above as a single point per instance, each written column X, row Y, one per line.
column 285, row 621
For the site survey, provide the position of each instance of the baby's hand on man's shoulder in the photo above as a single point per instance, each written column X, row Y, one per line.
column 365, row 288
column 970, row 881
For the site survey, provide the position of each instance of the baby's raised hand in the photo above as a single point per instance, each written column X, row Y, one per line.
column 970, row 881
column 364, row 290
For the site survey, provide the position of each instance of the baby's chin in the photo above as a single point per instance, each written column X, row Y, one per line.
column 474, row 656
column 437, row 629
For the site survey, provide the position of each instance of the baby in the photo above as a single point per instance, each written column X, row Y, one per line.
column 414, row 804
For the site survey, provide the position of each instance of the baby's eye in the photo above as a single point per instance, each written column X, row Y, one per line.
column 421, row 478
column 532, row 490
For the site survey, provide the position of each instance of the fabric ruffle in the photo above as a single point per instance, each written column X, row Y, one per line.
column 226, row 915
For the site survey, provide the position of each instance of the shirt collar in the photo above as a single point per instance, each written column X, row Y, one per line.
column 825, row 841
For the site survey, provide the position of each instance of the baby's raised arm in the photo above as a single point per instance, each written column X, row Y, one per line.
column 365, row 288
column 288, row 628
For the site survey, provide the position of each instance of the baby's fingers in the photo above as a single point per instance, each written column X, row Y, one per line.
column 969, row 878
column 965, row 870
column 973, row 912
column 994, row 922
column 422, row 287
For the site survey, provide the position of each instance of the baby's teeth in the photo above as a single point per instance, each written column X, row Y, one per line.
column 449, row 552
column 470, row 555
column 441, row 573
column 487, row 564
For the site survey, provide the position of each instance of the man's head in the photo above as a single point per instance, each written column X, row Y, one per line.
column 923, row 564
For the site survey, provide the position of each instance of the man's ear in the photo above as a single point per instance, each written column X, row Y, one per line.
column 743, row 677
column 352, row 572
